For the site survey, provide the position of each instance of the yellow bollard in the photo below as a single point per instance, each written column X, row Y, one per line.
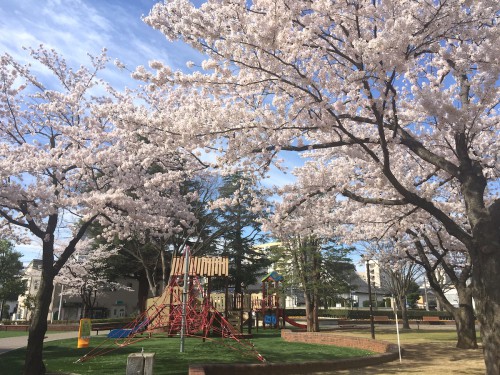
column 84, row 333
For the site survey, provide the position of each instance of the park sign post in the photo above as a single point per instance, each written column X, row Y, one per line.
column 84, row 333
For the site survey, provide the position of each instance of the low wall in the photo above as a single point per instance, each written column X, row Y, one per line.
column 330, row 338
column 63, row 327
column 351, row 322
column 387, row 352
column 50, row 327
column 14, row 327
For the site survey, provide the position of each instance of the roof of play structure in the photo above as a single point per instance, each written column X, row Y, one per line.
column 201, row 266
column 272, row 276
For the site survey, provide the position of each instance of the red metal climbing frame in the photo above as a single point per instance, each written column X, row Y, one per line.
column 164, row 316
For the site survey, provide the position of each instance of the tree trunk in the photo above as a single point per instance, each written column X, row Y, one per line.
column 466, row 327
column 315, row 287
column 34, row 362
column 238, row 256
column 486, row 279
column 311, row 313
column 164, row 268
column 404, row 312
column 315, row 318
column 142, row 291
column 463, row 315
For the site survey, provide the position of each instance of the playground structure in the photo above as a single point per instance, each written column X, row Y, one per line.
column 270, row 308
column 186, row 308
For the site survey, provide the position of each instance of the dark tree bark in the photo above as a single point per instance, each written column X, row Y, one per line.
column 404, row 312
column 311, row 313
column 142, row 292
column 34, row 352
column 486, row 281
column 34, row 362
column 465, row 320
column 307, row 261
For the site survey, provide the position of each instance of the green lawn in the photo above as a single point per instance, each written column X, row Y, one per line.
column 60, row 355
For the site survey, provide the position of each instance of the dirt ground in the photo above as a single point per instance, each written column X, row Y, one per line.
column 429, row 358
column 423, row 354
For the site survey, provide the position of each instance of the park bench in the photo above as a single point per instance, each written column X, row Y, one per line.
column 381, row 319
column 432, row 319
column 107, row 326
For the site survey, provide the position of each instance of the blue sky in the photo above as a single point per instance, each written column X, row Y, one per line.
column 77, row 27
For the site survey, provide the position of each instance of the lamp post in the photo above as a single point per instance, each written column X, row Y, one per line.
column 59, row 315
column 426, row 297
column 368, row 277
column 184, row 297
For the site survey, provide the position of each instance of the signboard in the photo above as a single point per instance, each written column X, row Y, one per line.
column 84, row 333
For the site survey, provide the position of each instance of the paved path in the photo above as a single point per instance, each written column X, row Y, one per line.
column 10, row 343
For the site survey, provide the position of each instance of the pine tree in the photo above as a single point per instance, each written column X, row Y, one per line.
column 242, row 230
column 11, row 283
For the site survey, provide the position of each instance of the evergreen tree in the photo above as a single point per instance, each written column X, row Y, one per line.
column 242, row 230
column 413, row 294
column 11, row 283
column 336, row 272
column 321, row 268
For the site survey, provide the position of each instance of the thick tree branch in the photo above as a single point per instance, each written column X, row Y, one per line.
column 380, row 201
column 71, row 247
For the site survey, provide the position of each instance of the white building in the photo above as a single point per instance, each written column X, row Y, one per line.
column 111, row 303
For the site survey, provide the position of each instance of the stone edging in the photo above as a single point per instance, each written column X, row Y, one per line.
column 387, row 352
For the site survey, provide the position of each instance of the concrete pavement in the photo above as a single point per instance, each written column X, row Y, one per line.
column 11, row 343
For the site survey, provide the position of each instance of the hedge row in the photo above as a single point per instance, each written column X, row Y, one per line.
column 365, row 314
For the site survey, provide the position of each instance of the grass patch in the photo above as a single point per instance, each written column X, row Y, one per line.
column 60, row 355
column 412, row 336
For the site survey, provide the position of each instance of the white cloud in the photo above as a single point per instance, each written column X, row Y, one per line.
column 30, row 251
column 76, row 28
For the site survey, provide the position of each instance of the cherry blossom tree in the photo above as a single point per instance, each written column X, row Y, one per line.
column 398, row 273
column 413, row 234
column 397, row 99
column 85, row 275
column 67, row 161
column 454, row 264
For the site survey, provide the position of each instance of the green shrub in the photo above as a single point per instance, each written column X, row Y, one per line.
column 416, row 314
column 295, row 312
